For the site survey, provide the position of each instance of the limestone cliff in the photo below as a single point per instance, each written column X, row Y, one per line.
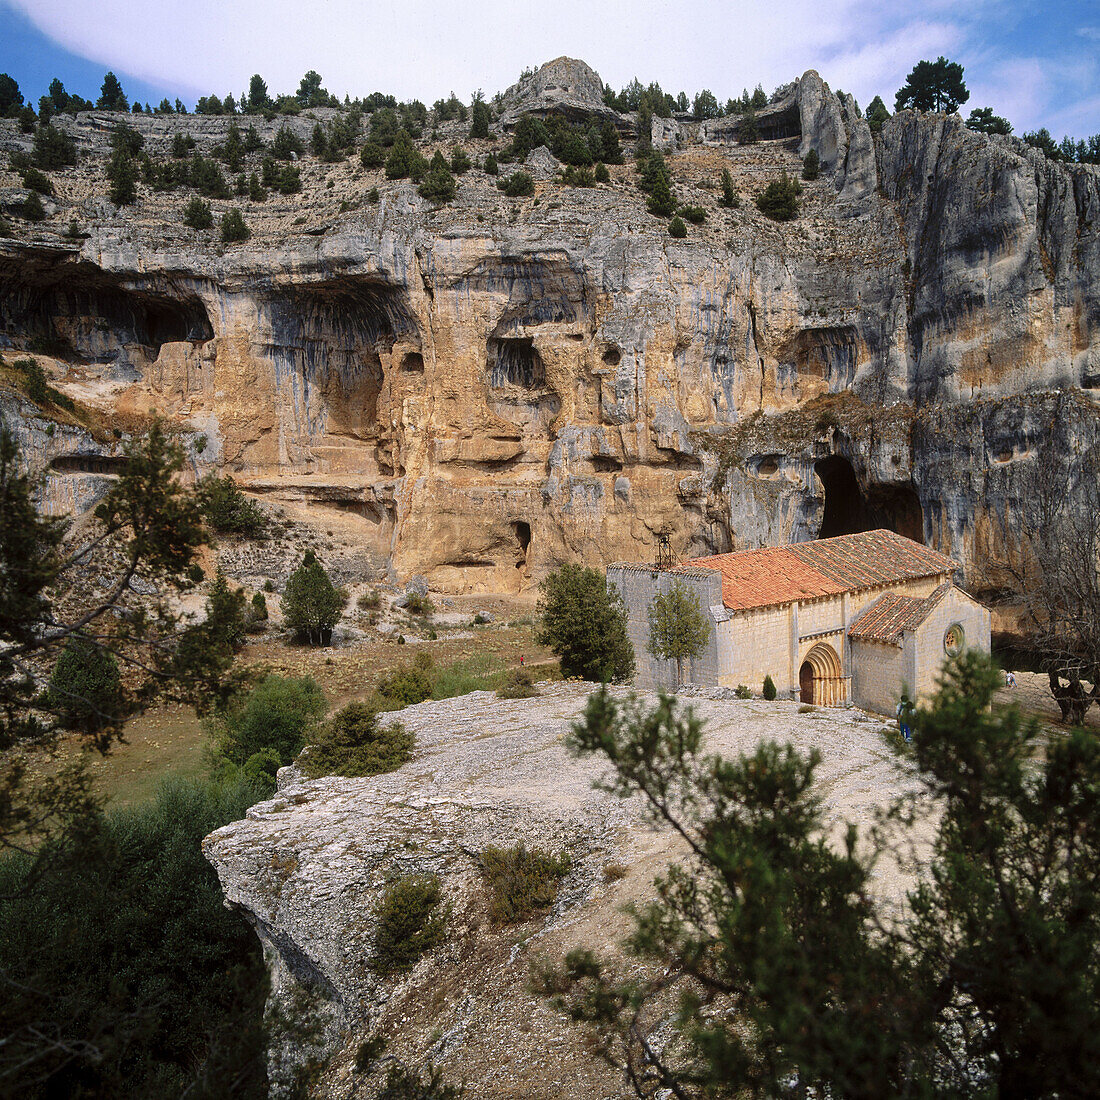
column 498, row 385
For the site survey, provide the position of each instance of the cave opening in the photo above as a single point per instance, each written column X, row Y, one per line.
column 848, row 510
column 515, row 362
column 104, row 465
column 522, row 530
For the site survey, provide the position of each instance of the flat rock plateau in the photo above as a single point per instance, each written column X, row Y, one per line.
column 307, row 868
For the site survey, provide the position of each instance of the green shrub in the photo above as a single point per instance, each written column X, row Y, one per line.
column 518, row 184
column 585, row 625
column 85, row 687
column 421, row 606
column 373, row 196
column 439, row 184
column 676, row 227
column 403, row 687
column 403, row 1083
column 811, row 165
column 290, row 180
column 233, row 227
column 371, row 155
column 769, row 688
column 122, row 944
column 404, row 161
column 32, row 208
column 34, row 180
column 370, row 601
column 490, row 165
column 577, row 177
column 122, row 174
column 743, row 692
column 197, row 214
column 286, row 144
column 312, row 604
column 228, row 510
column 411, row 922
column 518, row 684
column 521, row 882
column 460, row 161
column 779, row 200
column 276, row 716
column 730, row 199
column 352, row 743
column 36, row 385
column 182, row 144
column 602, row 175
column 694, row 214
column 53, row 148
column 479, row 620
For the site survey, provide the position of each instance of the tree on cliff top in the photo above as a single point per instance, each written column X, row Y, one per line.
column 791, row 980
column 111, row 95
column 584, row 623
column 985, row 121
column 933, row 86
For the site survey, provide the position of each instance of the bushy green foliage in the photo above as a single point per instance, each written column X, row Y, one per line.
column 37, row 386
column 277, row 716
column 678, row 628
column 743, row 692
column 768, row 690
column 228, row 510
column 405, row 161
column 811, row 165
column 412, row 921
column 403, row 1083
column 286, row 144
column 289, row 180
column 522, row 882
column 182, row 145
column 85, row 686
column 36, row 181
column 779, row 200
column 479, row 119
column 405, row 686
column 312, row 604
column 518, row 184
column 122, row 174
column 577, row 177
column 983, row 983
column 518, row 684
column 460, row 161
column 438, row 184
column 933, row 86
column 601, row 174
column 233, row 227
column 197, row 213
column 111, row 95
column 730, row 198
column 53, row 148
column 31, row 208
column 125, row 949
column 877, row 114
column 694, row 214
column 11, row 98
column 748, row 131
column 371, row 155
column 985, row 121
column 490, row 165
column 676, row 227
column 353, row 743
column 584, row 624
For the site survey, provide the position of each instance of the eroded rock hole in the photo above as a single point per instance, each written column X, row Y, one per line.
column 515, row 362
column 88, row 464
column 848, row 510
column 522, row 530
column 414, row 361
column 612, row 357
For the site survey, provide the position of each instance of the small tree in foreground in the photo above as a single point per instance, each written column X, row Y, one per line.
column 312, row 604
column 584, row 623
column 678, row 629
column 794, row 980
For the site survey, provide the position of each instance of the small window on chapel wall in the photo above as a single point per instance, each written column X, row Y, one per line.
column 954, row 640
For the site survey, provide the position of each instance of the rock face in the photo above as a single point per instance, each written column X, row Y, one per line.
column 496, row 386
column 307, row 870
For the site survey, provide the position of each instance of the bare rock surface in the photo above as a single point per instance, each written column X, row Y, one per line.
column 308, row 867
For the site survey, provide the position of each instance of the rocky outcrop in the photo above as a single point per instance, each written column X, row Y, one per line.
column 563, row 86
column 308, row 868
column 498, row 385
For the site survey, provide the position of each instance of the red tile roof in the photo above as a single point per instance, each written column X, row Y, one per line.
column 890, row 615
column 824, row 567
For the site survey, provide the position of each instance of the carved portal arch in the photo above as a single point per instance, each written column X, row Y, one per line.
column 821, row 678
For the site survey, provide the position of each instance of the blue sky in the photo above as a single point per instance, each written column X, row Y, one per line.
column 1036, row 63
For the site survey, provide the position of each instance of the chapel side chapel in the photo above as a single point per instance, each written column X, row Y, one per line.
column 853, row 619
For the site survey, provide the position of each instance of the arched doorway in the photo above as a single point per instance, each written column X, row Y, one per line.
column 821, row 679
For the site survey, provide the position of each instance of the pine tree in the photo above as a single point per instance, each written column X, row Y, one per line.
column 111, row 95
column 312, row 604
column 811, row 165
column 729, row 197
column 480, row 117
column 85, row 687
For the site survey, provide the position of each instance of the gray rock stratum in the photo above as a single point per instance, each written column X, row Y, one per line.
column 497, row 385
column 308, row 867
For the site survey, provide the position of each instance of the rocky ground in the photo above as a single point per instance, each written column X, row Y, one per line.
column 308, row 867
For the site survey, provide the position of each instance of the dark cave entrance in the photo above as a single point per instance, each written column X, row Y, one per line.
column 522, row 530
column 848, row 511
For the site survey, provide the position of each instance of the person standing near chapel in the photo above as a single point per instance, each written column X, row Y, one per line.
column 905, row 713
